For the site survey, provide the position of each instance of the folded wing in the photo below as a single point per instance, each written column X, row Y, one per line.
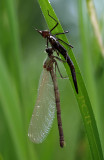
column 44, row 110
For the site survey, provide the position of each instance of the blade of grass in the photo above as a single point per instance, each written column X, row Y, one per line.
column 88, row 66
column 82, row 96
column 10, row 105
column 90, row 49
column 11, row 108
column 10, row 93
column 15, row 42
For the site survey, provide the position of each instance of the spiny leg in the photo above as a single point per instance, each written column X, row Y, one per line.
column 57, row 52
column 59, row 59
column 65, row 42
column 56, row 25
column 54, row 20
column 61, row 33
column 56, row 65
column 58, row 33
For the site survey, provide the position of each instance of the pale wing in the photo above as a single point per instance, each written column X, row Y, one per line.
column 44, row 110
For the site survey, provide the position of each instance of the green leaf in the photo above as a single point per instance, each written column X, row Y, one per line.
column 11, row 109
column 82, row 97
column 11, row 88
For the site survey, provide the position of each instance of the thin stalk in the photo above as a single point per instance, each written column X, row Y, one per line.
column 95, row 24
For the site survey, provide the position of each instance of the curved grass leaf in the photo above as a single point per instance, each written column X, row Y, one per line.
column 82, row 97
column 11, row 108
column 11, row 88
column 10, row 104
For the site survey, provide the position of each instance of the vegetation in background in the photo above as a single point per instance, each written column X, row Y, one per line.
column 21, row 58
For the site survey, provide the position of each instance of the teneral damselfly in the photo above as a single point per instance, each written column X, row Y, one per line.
column 48, row 101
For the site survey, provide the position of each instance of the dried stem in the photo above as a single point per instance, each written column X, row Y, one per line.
column 95, row 24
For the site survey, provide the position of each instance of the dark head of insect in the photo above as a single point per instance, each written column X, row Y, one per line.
column 44, row 34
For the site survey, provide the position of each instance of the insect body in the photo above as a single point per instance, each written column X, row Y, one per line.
column 48, row 98
column 56, row 46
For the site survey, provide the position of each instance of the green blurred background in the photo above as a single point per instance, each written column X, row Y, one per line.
column 21, row 59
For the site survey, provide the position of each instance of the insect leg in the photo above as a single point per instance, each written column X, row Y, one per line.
column 61, row 33
column 54, row 20
column 56, row 65
column 47, row 42
column 65, row 43
column 59, row 59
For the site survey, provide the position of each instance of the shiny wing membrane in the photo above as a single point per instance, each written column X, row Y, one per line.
column 44, row 110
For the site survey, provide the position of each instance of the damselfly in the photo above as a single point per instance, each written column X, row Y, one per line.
column 48, row 98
